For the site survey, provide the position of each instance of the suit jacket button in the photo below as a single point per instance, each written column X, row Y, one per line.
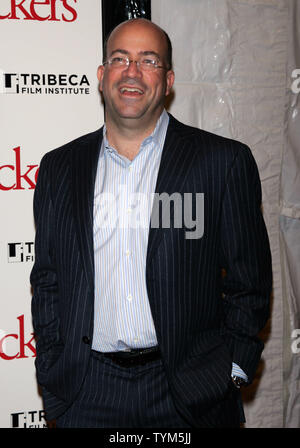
column 86, row 340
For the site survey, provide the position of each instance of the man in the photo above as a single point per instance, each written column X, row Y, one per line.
column 144, row 322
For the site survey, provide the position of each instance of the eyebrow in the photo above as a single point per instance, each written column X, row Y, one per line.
column 144, row 53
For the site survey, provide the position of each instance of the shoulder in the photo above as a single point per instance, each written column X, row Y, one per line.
column 85, row 142
column 208, row 143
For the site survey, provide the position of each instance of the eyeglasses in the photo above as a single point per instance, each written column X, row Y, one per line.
column 144, row 63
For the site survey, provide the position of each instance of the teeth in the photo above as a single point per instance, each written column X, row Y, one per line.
column 129, row 89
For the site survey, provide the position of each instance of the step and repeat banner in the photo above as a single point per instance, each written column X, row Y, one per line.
column 49, row 54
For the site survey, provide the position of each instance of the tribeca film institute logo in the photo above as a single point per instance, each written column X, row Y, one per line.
column 20, row 252
column 44, row 84
column 28, row 419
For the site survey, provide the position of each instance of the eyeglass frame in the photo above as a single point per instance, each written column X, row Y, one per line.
column 108, row 62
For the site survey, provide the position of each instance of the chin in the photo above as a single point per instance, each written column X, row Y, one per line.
column 131, row 114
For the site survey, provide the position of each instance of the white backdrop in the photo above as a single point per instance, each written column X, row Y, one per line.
column 37, row 57
column 234, row 62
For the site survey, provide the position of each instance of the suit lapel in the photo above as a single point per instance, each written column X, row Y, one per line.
column 84, row 162
column 176, row 161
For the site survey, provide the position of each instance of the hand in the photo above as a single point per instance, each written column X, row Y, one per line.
column 51, row 424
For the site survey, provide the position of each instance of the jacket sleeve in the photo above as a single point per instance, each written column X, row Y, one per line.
column 43, row 276
column 246, row 259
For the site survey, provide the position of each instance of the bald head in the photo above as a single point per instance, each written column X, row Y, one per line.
column 143, row 24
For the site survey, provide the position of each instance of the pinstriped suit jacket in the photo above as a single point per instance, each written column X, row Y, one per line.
column 204, row 320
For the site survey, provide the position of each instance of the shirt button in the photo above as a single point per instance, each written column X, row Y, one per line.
column 127, row 253
column 129, row 297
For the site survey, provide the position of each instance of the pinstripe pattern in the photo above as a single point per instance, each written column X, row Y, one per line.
column 112, row 396
column 198, row 332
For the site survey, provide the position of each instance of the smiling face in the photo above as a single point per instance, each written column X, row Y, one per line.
column 133, row 96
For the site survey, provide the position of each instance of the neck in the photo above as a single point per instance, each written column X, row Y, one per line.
column 127, row 137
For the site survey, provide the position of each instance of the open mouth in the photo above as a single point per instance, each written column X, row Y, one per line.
column 131, row 91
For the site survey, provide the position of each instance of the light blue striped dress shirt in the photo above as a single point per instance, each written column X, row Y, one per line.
column 122, row 315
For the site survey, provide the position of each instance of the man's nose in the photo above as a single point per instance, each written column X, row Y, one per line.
column 133, row 68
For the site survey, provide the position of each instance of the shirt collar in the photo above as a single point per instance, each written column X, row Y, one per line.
column 160, row 128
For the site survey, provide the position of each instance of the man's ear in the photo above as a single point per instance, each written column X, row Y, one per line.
column 170, row 77
column 100, row 74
